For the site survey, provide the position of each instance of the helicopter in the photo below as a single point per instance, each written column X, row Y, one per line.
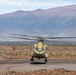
column 39, row 49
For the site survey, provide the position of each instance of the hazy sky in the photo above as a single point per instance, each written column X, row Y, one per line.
column 7, row 6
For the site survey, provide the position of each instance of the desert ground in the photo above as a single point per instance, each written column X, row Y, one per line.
column 15, row 60
column 24, row 51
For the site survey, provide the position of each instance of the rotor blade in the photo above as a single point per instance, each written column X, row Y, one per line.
column 23, row 35
column 45, row 37
column 18, row 37
column 61, row 37
column 24, row 38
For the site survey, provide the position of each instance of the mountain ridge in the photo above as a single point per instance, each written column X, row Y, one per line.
column 60, row 21
column 63, row 9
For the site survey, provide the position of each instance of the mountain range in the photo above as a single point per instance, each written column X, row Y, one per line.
column 59, row 21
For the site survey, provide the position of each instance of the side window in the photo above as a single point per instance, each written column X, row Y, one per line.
column 42, row 48
column 37, row 48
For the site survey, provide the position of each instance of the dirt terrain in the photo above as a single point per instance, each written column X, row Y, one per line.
column 23, row 67
column 43, row 72
column 23, row 51
column 57, row 55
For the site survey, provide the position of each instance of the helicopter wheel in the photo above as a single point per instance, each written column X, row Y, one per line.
column 32, row 59
column 45, row 59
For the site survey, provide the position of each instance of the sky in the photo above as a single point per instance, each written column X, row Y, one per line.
column 7, row 6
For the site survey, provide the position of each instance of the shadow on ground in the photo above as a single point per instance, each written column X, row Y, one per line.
column 37, row 63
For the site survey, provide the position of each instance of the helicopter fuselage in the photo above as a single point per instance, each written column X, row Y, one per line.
column 39, row 51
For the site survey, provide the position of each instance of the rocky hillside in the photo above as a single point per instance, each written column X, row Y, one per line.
column 60, row 21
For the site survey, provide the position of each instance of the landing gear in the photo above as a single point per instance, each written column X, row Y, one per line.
column 32, row 59
column 45, row 59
